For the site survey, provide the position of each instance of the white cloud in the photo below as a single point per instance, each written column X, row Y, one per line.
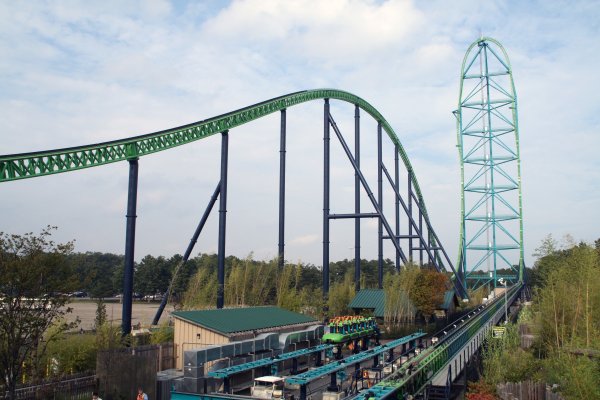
column 80, row 72
column 305, row 239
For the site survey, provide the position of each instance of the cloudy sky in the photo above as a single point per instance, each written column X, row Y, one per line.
column 80, row 72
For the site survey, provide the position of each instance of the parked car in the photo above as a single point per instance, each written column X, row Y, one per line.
column 153, row 297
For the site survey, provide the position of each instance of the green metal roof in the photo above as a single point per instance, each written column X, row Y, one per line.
column 370, row 299
column 230, row 320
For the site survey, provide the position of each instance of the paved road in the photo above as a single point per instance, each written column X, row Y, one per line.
column 142, row 313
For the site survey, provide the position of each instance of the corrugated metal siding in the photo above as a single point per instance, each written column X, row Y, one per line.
column 186, row 338
column 231, row 320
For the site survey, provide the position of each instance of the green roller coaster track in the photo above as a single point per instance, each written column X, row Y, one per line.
column 35, row 164
column 31, row 165
column 488, row 152
column 415, row 375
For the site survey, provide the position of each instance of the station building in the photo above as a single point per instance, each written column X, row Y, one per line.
column 203, row 328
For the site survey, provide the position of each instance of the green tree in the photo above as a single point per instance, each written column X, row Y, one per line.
column 33, row 275
column 100, row 314
column 399, row 289
column 341, row 294
column 152, row 275
column 500, row 353
column 95, row 272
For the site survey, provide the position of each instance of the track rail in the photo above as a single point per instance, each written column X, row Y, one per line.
column 413, row 376
column 48, row 162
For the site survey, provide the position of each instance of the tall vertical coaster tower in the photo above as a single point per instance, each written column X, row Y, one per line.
column 491, row 233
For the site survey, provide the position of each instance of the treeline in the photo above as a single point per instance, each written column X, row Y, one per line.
column 296, row 287
column 250, row 282
column 101, row 275
column 564, row 317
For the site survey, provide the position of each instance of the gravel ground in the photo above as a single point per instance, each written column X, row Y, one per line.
column 142, row 313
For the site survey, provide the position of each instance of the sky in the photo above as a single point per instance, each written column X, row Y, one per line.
column 79, row 72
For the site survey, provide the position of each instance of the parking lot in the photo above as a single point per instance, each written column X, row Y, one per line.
column 143, row 312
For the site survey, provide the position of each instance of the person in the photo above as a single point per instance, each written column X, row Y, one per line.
column 95, row 396
column 141, row 395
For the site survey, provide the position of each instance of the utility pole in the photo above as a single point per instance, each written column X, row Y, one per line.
column 504, row 283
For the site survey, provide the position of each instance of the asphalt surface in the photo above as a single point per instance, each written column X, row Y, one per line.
column 143, row 313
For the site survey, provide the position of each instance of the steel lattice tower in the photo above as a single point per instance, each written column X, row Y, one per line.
column 491, row 233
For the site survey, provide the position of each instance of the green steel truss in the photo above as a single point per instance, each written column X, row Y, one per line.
column 36, row 164
column 491, row 232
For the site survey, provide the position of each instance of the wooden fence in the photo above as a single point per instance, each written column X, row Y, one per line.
column 76, row 387
column 526, row 391
column 121, row 371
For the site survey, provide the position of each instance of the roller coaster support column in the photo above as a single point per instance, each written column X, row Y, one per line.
column 302, row 392
column 282, row 150
column 129, row 246
column 222, row 220
column 410, row 228
column 366, row 187
column 419, row 235
column 189, row 249
column 357, row 199
column 397, row 185
column 421, row 230
column 333, row 386
column 380, row 202
column 326, row 204
column 376, row 360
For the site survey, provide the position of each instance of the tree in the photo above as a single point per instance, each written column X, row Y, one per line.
column 33, row 276
column 340, row 295
column 429, row 291
column 95, row 272
column 399, row 288
column 152, row 275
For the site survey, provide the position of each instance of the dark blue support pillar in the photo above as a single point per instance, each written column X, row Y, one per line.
column 294, row 369
column 410, row 227
column 380, row 202
column 282, row 150
column 421, row 230
column 188, row 251
column 397, row 185
column 332, row 382
column 302, row 392
column 357, row 199
column 222, row 221
column 129, row 246
column 326, row 204
column 367, row 189
column 429, row 245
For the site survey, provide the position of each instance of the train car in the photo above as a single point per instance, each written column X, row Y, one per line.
column 346, row 328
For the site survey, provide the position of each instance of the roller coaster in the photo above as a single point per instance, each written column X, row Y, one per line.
column 415, row 364
column 419, row 237
column 484, row 127
column 344, row 329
